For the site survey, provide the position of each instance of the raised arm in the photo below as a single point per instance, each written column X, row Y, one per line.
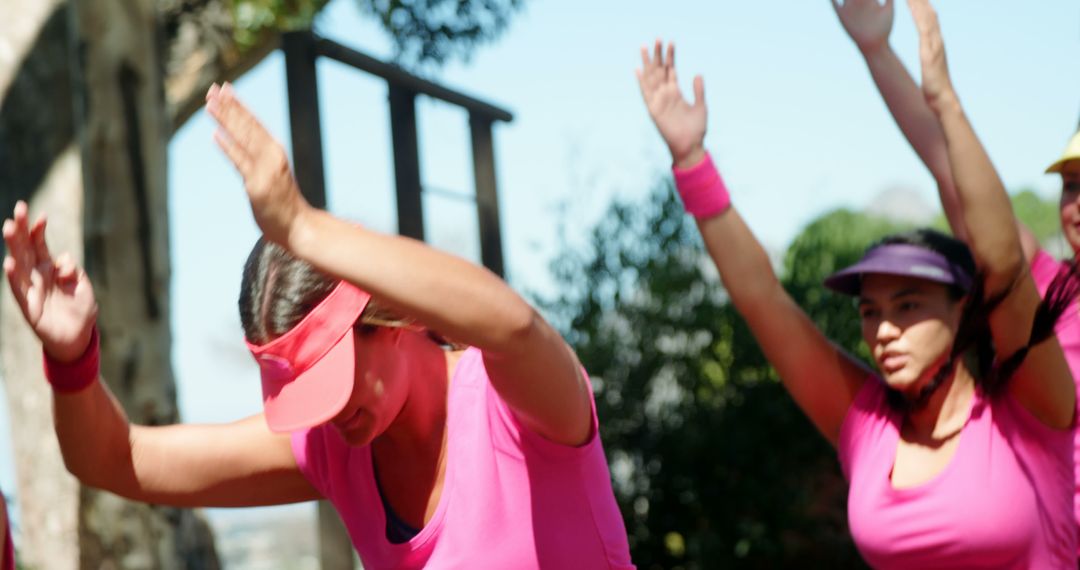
column 1043, row 384
column 529, row 364
column 869, row 23
column 240, row 464
column 821, row 378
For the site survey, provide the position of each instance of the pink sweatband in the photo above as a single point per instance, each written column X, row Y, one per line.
column 703, row 192
column 70, row 377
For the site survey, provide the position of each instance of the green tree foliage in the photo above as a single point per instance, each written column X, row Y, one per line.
column 421, row 30
column 1041, row 216
column 714, row 466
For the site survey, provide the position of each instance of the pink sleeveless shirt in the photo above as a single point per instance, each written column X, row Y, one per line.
column 1003, row 501
column 1043, row 269
column 510, row 499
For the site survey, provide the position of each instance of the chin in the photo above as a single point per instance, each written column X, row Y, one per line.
column 357, row 437
column 901, row 380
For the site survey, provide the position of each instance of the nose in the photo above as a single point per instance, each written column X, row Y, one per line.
column 887, row 331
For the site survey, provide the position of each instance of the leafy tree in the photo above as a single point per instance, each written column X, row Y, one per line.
column 91, row 93
column 714, row 466
column 1039, row 215
column 421, row 30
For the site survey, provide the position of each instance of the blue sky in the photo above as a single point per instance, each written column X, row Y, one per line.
column 794, row 123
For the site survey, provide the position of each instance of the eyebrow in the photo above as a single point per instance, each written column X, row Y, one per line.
column 901, row 293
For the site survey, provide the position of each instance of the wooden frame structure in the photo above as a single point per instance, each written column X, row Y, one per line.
column 302, row 49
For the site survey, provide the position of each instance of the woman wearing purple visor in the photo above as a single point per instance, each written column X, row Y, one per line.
column 482, row 452
column 869, row 23
column 958, row 448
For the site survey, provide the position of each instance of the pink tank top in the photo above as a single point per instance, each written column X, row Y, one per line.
column 1043, row 269
column 1003, row 501
column 511, row 499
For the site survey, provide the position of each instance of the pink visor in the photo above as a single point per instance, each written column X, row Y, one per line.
column 308, row 373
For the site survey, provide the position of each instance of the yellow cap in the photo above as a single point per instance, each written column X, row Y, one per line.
column 1072, row 152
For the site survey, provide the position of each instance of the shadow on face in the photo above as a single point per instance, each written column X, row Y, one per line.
column 909, row 325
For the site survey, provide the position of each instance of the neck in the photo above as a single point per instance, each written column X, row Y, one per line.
column 947, row 409
column 421, row 423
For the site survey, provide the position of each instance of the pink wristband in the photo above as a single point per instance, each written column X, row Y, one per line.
column 703, row 192
column 70, row 377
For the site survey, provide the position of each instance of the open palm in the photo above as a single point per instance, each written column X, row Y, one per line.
column 55, row 296
column 868, row 22
column 680, row 123
column 272, row 190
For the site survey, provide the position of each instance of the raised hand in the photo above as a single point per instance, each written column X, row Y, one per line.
column 55, row 296
column 275, row 197
column 936, row 85
column 868, row 22
column 681, row 124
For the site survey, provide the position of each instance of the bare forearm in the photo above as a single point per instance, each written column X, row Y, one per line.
column 919, row 125
column 988, row 214
column 93, row 433
column 743, row 264
column 459, row 299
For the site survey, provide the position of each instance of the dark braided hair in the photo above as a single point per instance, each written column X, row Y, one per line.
column 973, row 342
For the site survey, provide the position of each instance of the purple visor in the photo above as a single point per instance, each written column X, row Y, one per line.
column 899, row 259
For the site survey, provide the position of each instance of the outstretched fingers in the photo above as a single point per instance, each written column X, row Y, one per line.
column 699, row 90
column 925, row 18
column 37, row 239
column 17, row 238
column 240, row 159
column 931, row 45
column 669, row 66
column 241, row 135
column 20, row 262
column 652, row 74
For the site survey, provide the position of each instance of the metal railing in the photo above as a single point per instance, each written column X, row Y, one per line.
column 302, row 49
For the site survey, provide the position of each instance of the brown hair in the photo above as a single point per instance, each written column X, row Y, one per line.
column 973, row 343
column 278, row 290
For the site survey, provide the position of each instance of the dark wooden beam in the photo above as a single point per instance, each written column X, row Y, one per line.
column 406, row 162
column 300, row 54
column 487, row 196
column 397, row 76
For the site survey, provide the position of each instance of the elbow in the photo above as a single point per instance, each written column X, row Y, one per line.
column 518, row 326
column 99, row 468
column 1001, row 263
column 82, row 471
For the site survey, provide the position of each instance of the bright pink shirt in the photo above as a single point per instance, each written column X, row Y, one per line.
column 1043, row 269
column 1003, row 501
column 510, row 499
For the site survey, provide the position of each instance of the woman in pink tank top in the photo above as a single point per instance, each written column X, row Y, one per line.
column 869, row 23
column 445, row 420
column 957, row 449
